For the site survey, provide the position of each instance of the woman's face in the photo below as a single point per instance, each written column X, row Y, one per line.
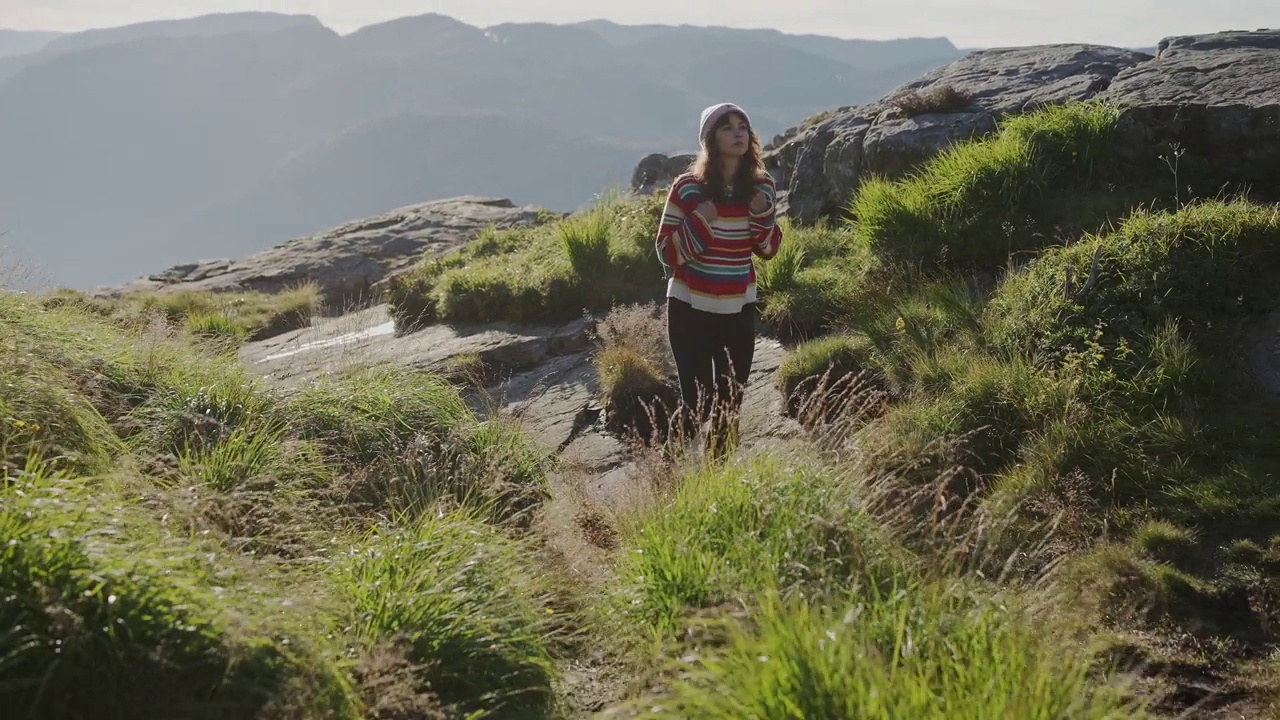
column 733, row 136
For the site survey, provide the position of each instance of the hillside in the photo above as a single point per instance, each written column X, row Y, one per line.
column 1007, row 448
column 223, row 135
column 19, row 42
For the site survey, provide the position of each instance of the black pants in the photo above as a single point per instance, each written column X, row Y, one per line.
column 713, row 354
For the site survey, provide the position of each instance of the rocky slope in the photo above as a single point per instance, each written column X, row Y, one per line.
column 349, row 262
column 1202, row 92
column 544, row 375
column 1215, row 96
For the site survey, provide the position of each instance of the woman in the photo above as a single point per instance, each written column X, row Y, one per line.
column 718, row 215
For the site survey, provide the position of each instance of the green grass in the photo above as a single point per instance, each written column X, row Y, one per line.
column 784, row 587
column 1046, row 478
column 552, row 273
column 806, row 290
column 406, row 440
column 1114, row 408
column 919, row 652
column 1044, row 177
column 174, row 536
column 106, row 618
column 457, row 593
column 729, row 532
column 1148, row 346
column 1202, row 267
column 227, row 316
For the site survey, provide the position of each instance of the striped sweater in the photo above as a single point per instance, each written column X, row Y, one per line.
column 709, row 265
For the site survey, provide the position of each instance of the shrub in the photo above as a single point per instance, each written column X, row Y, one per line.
column 412, row 297
column 813, row 282
column 818, row 302
column 1150, row 339
column 453, row 591
column 779, row 274
column 825, row 376
column 1135, row 588
column 994, row 406
column 1047, row 174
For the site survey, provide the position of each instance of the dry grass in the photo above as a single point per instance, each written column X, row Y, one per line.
column 634, row 365
column 944, row 98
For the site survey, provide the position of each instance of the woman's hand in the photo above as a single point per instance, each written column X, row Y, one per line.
column 760, row 202
column 707, row 210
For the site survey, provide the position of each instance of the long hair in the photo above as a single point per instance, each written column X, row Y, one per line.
column 709, row 171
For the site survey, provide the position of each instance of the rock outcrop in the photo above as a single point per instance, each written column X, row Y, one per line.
column 350, row 262
column 823, row 163
column 543, row 375
column 657, row 170
column 1216, row 99
column 1215, row 95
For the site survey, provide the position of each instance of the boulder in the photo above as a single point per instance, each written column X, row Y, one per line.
column 822, row 162
column 656, row 171
column 350, row 262
column 1210, row 104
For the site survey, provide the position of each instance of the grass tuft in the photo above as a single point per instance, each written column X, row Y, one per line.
column 1045, row 176
column 408, row 440
column 104, row 623
column 588, row 261
column 919, row 652
column 635, row 370
column 937, row 99
column 234, row 316
column 455, row 593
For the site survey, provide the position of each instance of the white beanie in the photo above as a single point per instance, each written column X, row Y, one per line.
column 712, row 115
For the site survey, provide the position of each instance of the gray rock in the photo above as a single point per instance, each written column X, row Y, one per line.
column 781, row 153
column 1262, row 352
column 350, row 262
column 1216, row 99
column 368, row 338
column 656, row 171
column 822, row 164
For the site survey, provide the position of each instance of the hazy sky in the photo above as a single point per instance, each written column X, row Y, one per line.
column 967, row 22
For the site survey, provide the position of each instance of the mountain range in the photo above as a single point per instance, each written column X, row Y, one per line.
column 129, row 149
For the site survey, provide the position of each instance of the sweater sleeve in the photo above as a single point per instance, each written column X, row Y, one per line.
column 766, row 235
column 683, row 234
